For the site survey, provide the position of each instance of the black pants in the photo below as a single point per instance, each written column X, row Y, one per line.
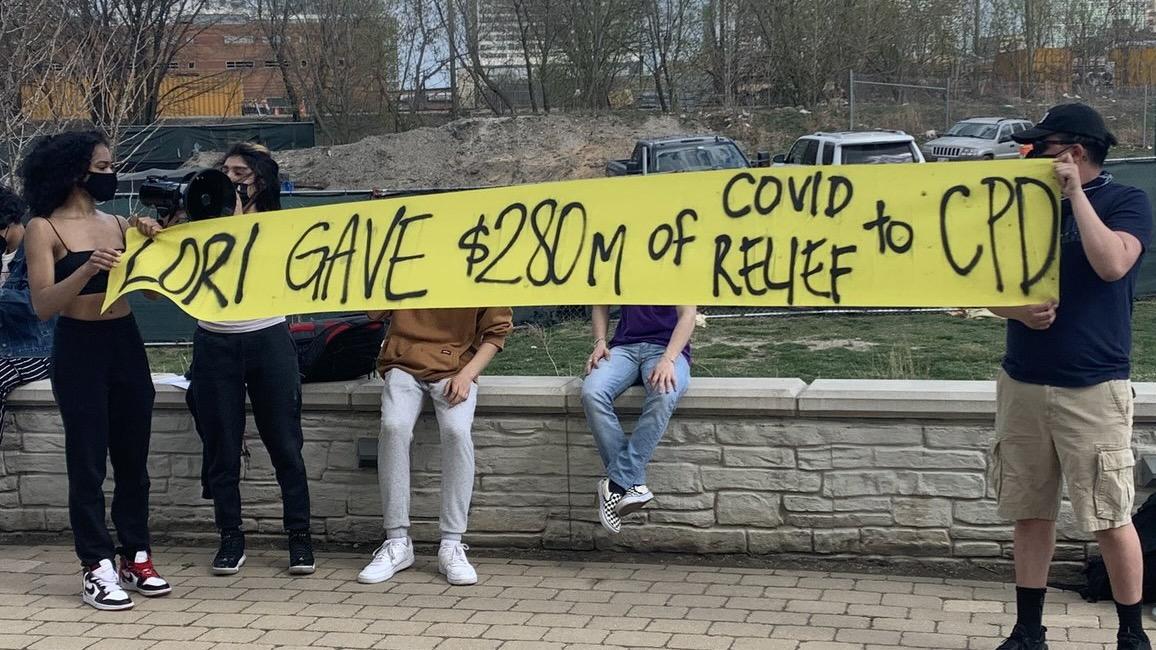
column 265, row 363
column 100, row 377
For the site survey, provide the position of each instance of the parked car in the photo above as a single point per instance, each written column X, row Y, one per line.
column 683, row 154
column 852, row 148
column 978, row 138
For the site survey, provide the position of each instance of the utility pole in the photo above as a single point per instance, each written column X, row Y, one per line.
column 451, row 20
column 976, row 26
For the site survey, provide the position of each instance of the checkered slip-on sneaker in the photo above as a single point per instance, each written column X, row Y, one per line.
column 607, row 507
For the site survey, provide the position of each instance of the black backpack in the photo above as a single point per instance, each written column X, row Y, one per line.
column 337, row 349
column 1097, row 585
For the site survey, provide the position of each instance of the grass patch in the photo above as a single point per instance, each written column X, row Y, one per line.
column 866, row 346
column 170, row 358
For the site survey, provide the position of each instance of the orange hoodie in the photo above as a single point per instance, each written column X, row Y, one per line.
column 432, row 344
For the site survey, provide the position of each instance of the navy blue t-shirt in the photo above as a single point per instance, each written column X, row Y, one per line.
column 646, row 324
column 1091, row 339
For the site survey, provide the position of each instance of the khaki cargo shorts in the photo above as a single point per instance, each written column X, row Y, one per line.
column 1082, row 434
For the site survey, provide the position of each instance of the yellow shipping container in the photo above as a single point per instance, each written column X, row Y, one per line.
column 1135, row 66
column 180, row 96
column 1049, row 64
column 217, row 96
column 54, row 99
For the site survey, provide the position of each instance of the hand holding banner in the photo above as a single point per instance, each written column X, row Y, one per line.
column 959, row 234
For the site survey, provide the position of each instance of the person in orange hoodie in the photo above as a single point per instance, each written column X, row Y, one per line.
column 439, row 353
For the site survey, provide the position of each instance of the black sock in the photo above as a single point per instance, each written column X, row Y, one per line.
column 1030, row 609
column 616, row 488
column 1129, row 616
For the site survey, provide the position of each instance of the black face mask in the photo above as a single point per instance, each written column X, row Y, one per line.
column 243, row 192
column 101, row 187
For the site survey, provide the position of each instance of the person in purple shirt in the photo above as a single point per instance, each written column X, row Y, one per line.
column 651, row 346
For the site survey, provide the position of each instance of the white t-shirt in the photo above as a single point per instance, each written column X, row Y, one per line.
column 240, row 326
column 5, row 260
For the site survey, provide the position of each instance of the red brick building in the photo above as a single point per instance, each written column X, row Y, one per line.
column 235, row 52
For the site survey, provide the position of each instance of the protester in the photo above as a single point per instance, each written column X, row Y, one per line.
column 258, row 357
column 440, row 353
column 651, row 346
column 1064, row 401
column 100, row 373
column 25, row 340
column 12, row 213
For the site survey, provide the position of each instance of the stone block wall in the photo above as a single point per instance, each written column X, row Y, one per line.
column 839, row 468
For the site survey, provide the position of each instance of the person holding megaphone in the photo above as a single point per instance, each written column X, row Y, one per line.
column 258, row 357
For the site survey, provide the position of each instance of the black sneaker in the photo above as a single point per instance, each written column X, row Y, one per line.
column 1019, row 640
column 301, row 553
column 1132, row 640
column 231, row 555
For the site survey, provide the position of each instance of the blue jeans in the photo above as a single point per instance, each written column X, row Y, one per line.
column 625, row 458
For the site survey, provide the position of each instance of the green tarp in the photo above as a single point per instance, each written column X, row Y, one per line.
column 168, row 147
column 1140, row 172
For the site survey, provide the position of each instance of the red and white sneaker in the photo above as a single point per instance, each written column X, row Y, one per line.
column 139, row 575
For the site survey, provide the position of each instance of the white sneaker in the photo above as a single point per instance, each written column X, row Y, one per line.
column 452, row 563
column 634, row 499
column 392, row 556
column 101, row 588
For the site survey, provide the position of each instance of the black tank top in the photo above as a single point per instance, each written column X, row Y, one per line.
column 73, row 260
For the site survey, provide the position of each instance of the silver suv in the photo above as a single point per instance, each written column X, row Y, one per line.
column 852, row 147
column 978, row 138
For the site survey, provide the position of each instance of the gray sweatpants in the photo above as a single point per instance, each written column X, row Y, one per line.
column 401, row 401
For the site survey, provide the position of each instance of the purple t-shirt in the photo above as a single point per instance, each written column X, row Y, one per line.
column 644, row 324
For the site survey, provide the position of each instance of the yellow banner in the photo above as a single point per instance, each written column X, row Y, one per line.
column 946, row 234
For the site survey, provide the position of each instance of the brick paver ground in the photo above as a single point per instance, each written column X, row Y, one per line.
column 522, row 604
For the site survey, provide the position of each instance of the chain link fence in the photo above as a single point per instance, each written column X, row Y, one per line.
column 922, row 110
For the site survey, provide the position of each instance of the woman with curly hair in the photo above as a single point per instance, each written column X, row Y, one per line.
column 258, row 357
column 100, row 373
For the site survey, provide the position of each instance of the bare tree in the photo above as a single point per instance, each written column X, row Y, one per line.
column 346, row 62
column 477, row 31
column 38, row 61
column 540, row 28
column 669, row 25
column 132, row 45
column 275, row 18
column 602, row 36
column 522, row 13
column 420, row 34
column 719, row 46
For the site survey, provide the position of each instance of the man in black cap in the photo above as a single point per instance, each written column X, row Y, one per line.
column 1064, row 401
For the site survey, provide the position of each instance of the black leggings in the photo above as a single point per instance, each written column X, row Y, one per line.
column 100, row 377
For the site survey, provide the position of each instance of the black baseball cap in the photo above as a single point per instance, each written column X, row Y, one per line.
column 1074, row 119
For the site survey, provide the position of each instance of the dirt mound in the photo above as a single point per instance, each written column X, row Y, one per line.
column 477, row 152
